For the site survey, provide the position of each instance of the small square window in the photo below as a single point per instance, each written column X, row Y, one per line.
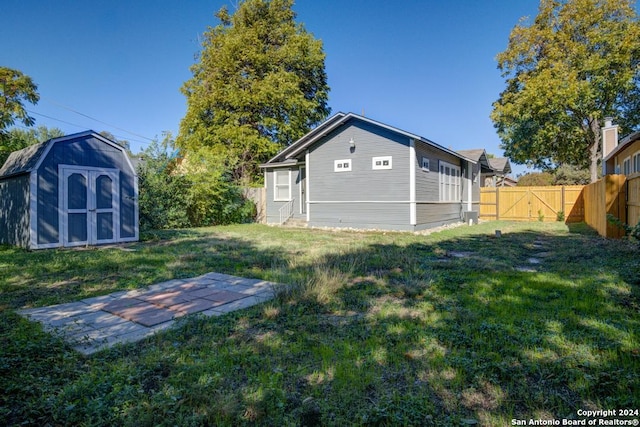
column 381, row 162
column 425, row 164
column 342, row 165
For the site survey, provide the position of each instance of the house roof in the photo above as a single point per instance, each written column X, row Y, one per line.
column 28, row 159
column 479, row 155
column 336, row 121
column 627, row 140
column 500, row 164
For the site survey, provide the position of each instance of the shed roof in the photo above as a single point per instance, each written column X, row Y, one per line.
column 27, row 159
column 23, row 161
column 334, row 122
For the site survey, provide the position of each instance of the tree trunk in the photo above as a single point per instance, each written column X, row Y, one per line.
column 594, row 153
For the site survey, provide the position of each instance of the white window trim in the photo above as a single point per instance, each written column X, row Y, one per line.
column 381, row 160
column 636, row 162
column 626, row 161
column 275, row 186
column 422, row 166
column 346, row 165
column 449, row 185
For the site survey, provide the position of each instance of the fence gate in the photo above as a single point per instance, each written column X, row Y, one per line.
column 532, row 203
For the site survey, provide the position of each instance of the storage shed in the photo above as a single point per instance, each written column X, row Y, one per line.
column 75, row 190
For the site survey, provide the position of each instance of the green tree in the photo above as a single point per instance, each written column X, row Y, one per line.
column 15, row 88
column 122, row 142
column 162, row 194
column 578, row 62
column 177, row 193
column 259, row 85
column 571, row 175
column 535, row 179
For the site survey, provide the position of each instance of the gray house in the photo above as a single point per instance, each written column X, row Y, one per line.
column 78, row 189
column 352, row 171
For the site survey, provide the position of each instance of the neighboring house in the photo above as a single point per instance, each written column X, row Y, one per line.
column 78, row 189
column 619, row 157
column 355, row 172
column 502, row 168
column 483, row 168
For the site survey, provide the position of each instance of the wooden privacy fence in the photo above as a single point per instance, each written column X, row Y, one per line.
column 532, row 203
column 614, row 195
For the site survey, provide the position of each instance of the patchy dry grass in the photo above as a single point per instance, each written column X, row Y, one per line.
column 457, row 327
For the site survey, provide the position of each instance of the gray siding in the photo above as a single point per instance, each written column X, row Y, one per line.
column 89, row 152
column 430, row 212
column 273, row 207
column 14, row 211
column 383, row 216
column 367, row 198
column 361, row 183
column 429, row 215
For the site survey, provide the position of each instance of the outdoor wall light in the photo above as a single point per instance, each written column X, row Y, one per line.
column 352, row 143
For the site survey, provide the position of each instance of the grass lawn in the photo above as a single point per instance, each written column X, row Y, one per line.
column 454, row 328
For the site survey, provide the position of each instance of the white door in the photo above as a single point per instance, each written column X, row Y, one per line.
column 89, row 213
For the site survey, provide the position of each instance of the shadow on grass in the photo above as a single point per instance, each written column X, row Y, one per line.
column 410, row 330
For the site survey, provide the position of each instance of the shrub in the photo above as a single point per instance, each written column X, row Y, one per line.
column 176, row 192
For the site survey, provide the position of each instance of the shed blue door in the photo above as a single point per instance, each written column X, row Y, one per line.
column 89, row 213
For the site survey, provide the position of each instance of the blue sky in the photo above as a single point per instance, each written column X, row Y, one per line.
column 425, row 66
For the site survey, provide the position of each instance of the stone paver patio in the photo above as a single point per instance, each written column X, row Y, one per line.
column 97, row 323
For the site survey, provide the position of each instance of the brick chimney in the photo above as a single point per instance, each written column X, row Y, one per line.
column 609, row 137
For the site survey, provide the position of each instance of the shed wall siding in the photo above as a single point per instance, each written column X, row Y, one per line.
column 14, row 211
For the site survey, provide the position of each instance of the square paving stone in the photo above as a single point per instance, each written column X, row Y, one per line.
column 165, row 298
column 195, row 306
column 147, row 314
column 200, row 293
column 225, row 296
column 121, row 303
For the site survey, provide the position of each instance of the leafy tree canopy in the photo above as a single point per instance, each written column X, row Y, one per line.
column 17, row 139
column 122, row 142
column 571, row 175
column 578, row 62
column 259, row 85
column 15, row 88
column 535, row 179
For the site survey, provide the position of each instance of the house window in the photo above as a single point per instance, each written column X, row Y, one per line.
column 636, row 162
column 282, row 187
column 449, row 179
column 626, row 166
column 343, row 165
column 425, row 164
column 381, row 162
